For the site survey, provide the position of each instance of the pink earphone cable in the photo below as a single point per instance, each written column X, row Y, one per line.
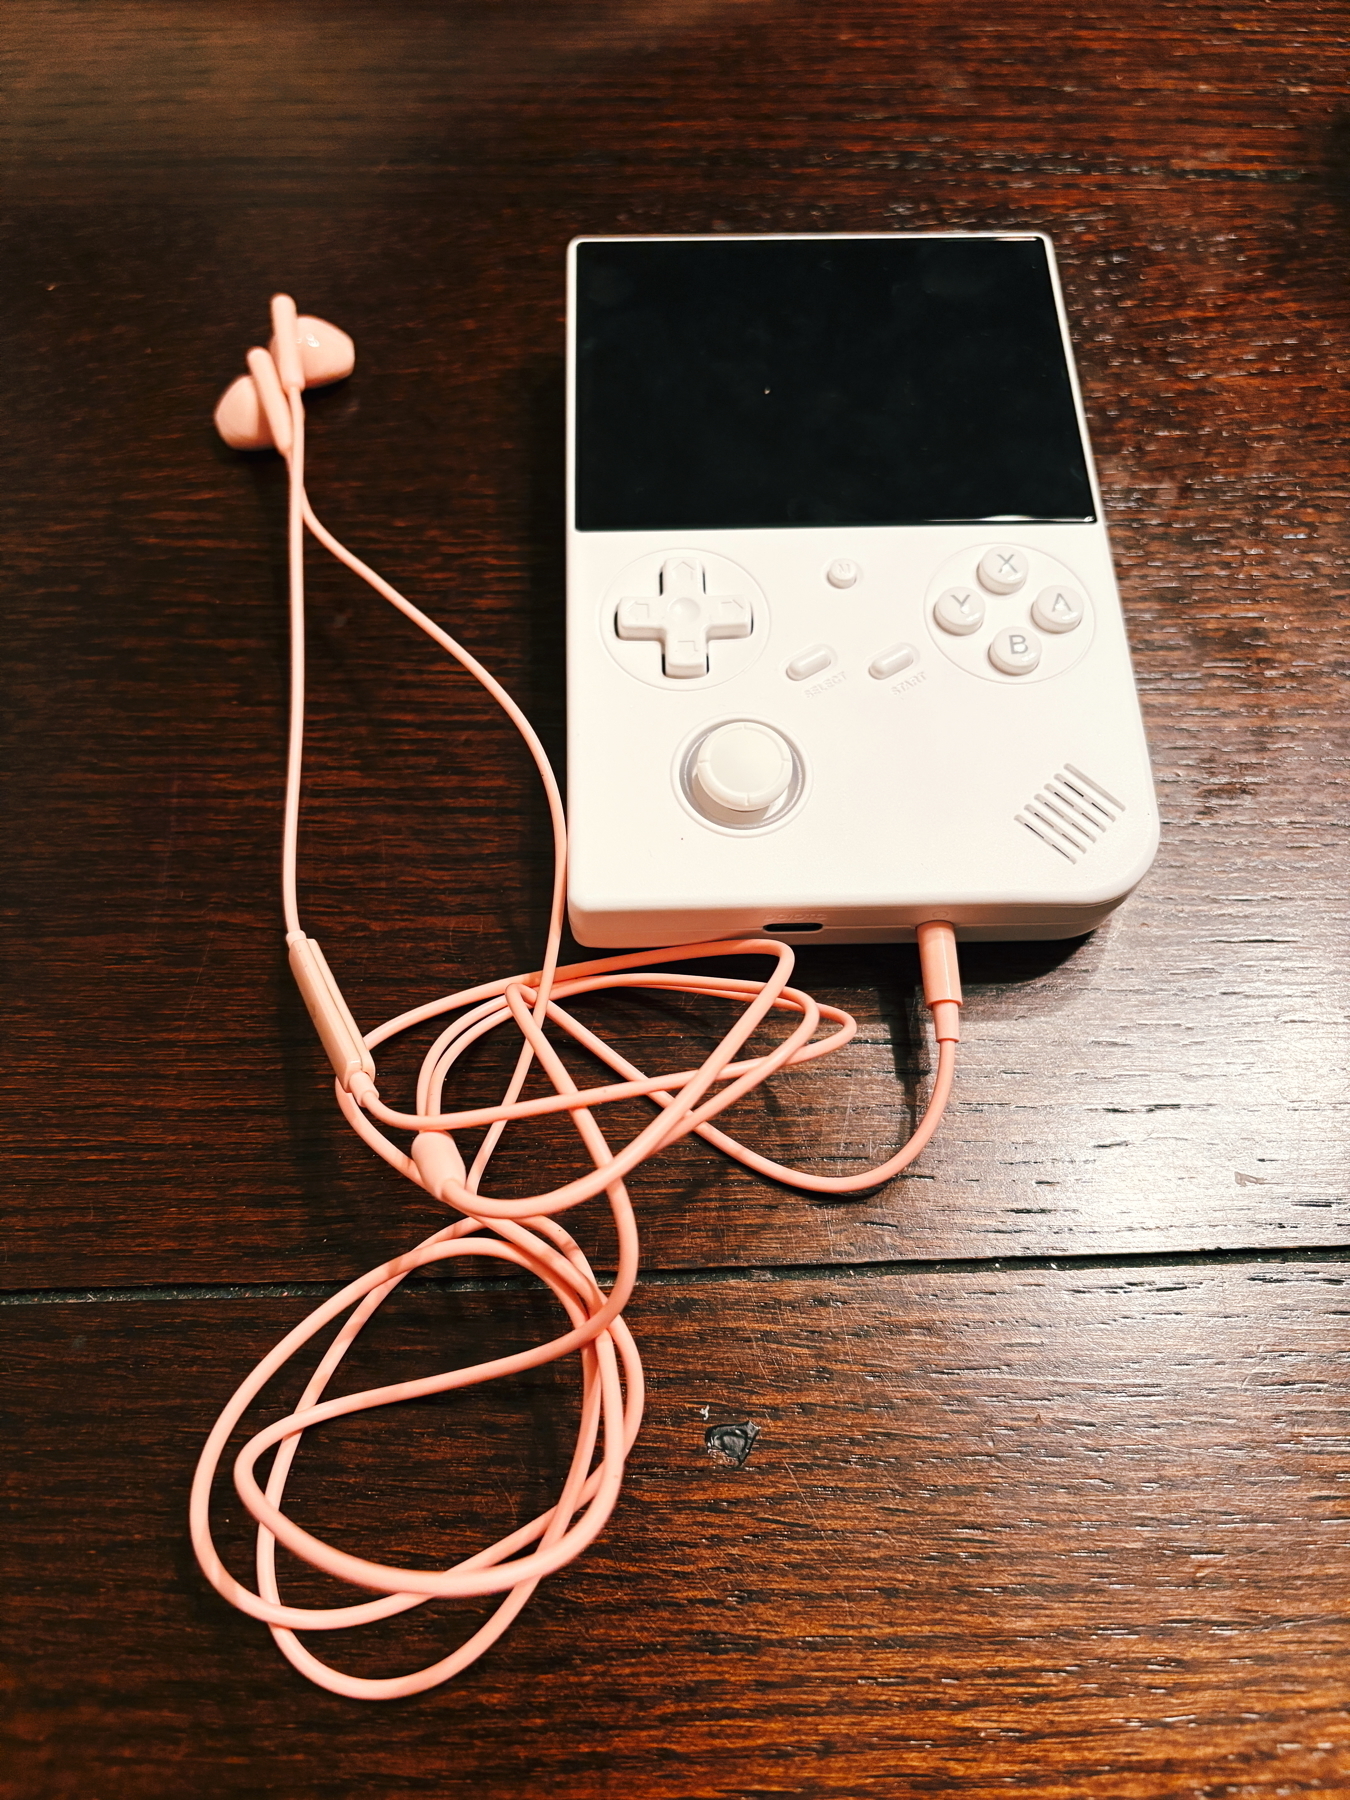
column 523, row 1233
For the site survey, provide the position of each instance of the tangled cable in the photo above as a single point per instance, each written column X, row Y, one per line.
column 523, row 1233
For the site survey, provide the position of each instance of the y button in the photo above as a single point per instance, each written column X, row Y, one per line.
column 959, row 611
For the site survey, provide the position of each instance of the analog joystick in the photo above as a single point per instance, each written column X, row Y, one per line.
column 742, row 774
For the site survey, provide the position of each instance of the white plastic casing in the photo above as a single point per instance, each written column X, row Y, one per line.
column 1012, row 805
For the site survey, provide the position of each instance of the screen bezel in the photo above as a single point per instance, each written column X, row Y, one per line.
column 636, row 532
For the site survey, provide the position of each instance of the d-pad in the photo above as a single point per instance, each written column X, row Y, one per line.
column 682, row 616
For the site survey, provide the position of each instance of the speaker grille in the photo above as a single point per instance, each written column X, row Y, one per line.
column 1071, row 813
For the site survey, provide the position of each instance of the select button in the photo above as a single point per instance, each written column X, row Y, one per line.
column 810, row 662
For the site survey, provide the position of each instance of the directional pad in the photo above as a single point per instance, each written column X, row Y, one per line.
column 682, row 617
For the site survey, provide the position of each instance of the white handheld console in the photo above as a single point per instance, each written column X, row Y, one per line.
column 845, row 651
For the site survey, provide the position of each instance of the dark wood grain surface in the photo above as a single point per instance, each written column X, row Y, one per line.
column 1126, row 1105
column 1069, row 1535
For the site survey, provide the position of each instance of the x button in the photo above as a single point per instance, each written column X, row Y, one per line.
column 1003, row 569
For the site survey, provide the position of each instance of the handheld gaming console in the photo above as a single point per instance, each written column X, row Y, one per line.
column 845, row 650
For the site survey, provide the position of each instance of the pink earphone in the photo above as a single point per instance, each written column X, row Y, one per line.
column 252, row 413
column 264, row 409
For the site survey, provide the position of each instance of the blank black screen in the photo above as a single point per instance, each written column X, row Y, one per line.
column 821, row 381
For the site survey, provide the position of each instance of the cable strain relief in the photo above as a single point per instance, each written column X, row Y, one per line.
column 272, row 396
column 438, row 1161
column 941, row 977
column 938, row 961
column 286, row 341
column 361, row 1088
column 947, row 1021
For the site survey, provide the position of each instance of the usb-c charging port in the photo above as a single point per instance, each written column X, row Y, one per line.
column 794, row 925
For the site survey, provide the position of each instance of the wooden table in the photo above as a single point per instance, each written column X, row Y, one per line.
column 1050, row 1487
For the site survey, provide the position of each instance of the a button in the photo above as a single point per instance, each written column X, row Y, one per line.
column 744, row 767
column 960, row 611
column 810, row 662
column 890, row 662
column 1015, row 652
column 842, row 573
column 1002, row 570
column 1058, row 609
column 682, row 617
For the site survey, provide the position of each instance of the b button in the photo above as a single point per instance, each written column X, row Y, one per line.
column 1015, row 652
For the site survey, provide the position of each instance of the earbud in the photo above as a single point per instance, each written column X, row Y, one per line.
column 253, row 413
column 326, row 352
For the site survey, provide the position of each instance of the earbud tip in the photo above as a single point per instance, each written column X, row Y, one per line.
column 240, row 418
column 326, row 352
